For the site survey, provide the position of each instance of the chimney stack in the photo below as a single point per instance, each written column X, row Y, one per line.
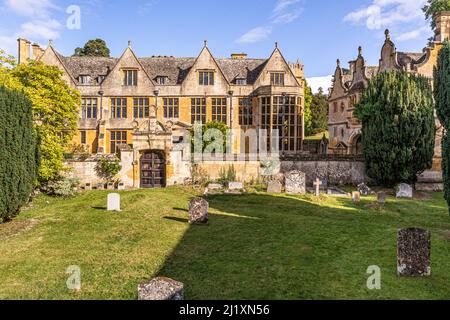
column 24, row 50
column 238, row 56
column 36, row 51
column 442, row 21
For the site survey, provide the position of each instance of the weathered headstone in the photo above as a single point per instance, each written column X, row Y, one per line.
column 295, row 182
column 161, row 289
column 113, row 202
column 317, row 184
column 198, row 211
column 404, row 190
column 414, row 252
column 364, row 189
column 110, row 186
column 88, row 186
column 215, row 186
column 236, row 186
column 356, row 196
column 274, row 187
column 121, row 186
column 100, row 186
column 381, row 197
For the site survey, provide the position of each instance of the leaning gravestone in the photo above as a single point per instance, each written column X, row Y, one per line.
column 198, row 211
column 274, row 187
column 161, row 289
column 113, row 202
column 381, row 197
column 295, row 182
column 404, row 190
column 236, row 186
column 414, row 253
column 364, row 189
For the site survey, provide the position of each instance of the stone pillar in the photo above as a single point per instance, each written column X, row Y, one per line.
column 24, row 50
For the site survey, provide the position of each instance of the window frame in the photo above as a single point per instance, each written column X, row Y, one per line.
column 89, row 110
column 171, row 107
column 277, row 79
column 141, row 108
column 130, row 81
column 206, row 77
column 119, row 111
column 198, row 111
column 113, row 141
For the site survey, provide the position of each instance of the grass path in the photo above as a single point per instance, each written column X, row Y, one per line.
column 255, row 247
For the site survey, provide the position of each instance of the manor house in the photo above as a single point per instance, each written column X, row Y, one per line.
column 348, row 85
column 142, row 107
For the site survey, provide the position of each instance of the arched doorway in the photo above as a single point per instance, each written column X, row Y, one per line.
column 153, row 169
column 358, row 145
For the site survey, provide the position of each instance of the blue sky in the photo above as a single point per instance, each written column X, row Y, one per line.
column 315, row 31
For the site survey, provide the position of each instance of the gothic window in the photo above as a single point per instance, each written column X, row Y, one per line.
column 130, row 77
column 219, row 110
column 206, row 78
column 171, row 108
column 89, row 108
column 141, row 108
column 198, row 110
column 245, row 112
column 277, row 79
column 117, row 138
column 118, row 108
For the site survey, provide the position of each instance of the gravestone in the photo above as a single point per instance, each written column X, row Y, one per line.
column 414, row 253
column 113, row 202
column 121, row 186
column 88, row 186
column 100, row 186
column 356, row 196
column 295, row 182
column 110, row 186
column 215, row 186
column 161, row 288
column 236, row 186
column 381, row 197
column 198, row 211
column 404, row 190
column 317, row 184
column 364, row 189
column 274, row 187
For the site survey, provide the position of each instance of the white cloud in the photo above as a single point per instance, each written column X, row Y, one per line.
column 282, row 5
column 255, row 35
column 386, row 13
column 320, row 82
column 415, row 34
column 9, row 44
column 31, row 8
column 41, row 29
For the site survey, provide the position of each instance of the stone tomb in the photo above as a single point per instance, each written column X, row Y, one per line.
column 113, row 202
column 198, row 211
column 404, row 190
column 295, row 182
column 274, row 187
column 414, row 253
column 364, row 189
column 161, row 289
column 236, row 186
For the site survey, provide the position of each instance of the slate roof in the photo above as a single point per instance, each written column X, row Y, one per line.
column 415, row 57
column 174, row 68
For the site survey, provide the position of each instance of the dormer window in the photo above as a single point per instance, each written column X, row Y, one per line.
column 277, row 79
column 241, row 81
column 100, row 79
column 206, row 78
column 83, row 79
column 130, row 77
column 162, row 80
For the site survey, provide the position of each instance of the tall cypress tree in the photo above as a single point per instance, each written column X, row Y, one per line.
column 442, row 99
column 18, row 152
column 398, row 127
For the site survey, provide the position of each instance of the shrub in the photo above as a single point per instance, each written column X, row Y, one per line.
column 63, row 187
column 398, row 127
column 18, row 152
column 107, row 169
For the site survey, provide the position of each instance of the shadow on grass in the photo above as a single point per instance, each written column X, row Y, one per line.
column 100, row 208
column 177, row 219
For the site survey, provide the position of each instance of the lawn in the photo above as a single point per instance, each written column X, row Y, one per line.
column 257, row 246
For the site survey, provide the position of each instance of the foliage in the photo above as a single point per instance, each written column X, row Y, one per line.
column 398, row 127
column 222, row 127
column 227, row 175
column 434, row 7
column 319, row 113
column 55, row 110
column 18, row 152
column 93, row 48
column 198, row 175
column 442, row 100
column 107, row 168
column 308, row 114
column 63, row 187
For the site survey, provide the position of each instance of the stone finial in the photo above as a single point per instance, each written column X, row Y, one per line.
column 50, row 42
column 276, row 44
column 387, row 34
column 205, row 43
column 129, row 43
column 338, row 62
column 359, row 51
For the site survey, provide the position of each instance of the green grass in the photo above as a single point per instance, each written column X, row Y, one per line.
column 256, row 246
column 318, row 136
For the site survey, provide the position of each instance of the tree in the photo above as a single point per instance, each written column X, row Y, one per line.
column 208, row 138
column 434, row 7
column 18, row 152
column 55, row 110
column 319, row 112
column 442, row 100
column 398, row 127
column 308, row 100
column 93, row 48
